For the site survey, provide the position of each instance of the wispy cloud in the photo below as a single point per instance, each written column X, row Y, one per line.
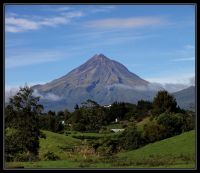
column 13, row 24
column 10, row 91
column 17, row 24
column 60, row 9
column 189, row 46
column 125, row 22
column 175, row 83
column 183, row 59
column 31, row 57
column 99, row 8
column 182, row 78
column 47, row 96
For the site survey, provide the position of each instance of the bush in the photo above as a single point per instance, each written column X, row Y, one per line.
column 104, row 130
column 24, row 157
column 163, row 102
column 153, row 132
column 108, row 146
column 50, row 156
column 78, row 127
column 85, row 137
column 172, row 122
column 131, row 138
column 42, row 135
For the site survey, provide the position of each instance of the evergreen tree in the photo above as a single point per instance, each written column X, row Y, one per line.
column 164, row 102
column 22, row 117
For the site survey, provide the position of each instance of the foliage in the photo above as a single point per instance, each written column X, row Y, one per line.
column 143, row 109
column 174, row 152
column 153, row 132
column 131, row 138
column 175, row 123
column 22, row 115
column 163, row 102
column 90, row 117
column 50, row 156
column 107, row 146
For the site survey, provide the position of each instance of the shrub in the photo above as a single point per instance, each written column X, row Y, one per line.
column 85, row 150
column 104, row 130
column 50, row 156
column 131, row 138
column 172, row 122
column 85, row 137
column 42, row 135
column 153, row 132
column 23, row 157
column 78, row 127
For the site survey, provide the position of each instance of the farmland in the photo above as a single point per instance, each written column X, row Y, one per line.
column 174, row 152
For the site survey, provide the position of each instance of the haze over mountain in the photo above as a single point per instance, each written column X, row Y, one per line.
column 100, row 79
column 186, row 98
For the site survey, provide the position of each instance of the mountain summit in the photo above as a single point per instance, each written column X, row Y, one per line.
column 100, row 79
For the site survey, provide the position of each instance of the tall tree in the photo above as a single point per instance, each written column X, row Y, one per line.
column 23, row 113
column 164, row 102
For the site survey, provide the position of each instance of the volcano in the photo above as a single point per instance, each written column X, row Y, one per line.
column 100, row 79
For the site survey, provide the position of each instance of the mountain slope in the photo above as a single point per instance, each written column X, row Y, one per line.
column 100, row 79
column 186, row 98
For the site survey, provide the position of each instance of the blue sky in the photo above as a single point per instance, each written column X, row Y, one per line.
column 44, row 42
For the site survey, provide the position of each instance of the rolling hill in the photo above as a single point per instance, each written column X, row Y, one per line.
column 175, row 152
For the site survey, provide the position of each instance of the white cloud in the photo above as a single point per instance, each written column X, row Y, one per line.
column 100, row 8
column 48, row 96
column 174, row 87
column 183, row 59
column 125, row 22
column 24, row 58
column 16, row 24
column 176, row 78
column 173, row 83
column 13, row 24
column 189, row 46
column 61, row 9
column 51, row 96
column 10, row 91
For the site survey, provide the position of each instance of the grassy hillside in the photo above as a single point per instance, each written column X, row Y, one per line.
column 174, row 152
column 56, row 143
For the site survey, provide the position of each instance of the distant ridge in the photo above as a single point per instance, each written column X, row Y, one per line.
column 186, row 98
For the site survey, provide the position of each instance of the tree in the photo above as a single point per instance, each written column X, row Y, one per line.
column 153, row 132
column 23, row 113
column 174, row 123
column 90, row 104
column 117, row 110
column 143, row 109
column 76, row 107
column 163, row 102
column 131, row 138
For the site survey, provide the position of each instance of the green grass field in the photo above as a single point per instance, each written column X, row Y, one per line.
column 174, row 152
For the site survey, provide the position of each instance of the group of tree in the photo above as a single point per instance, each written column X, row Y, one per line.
column 54, row 121
column 24, row 118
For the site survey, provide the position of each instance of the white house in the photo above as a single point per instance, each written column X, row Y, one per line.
column 107, row 106
column 117, row 130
